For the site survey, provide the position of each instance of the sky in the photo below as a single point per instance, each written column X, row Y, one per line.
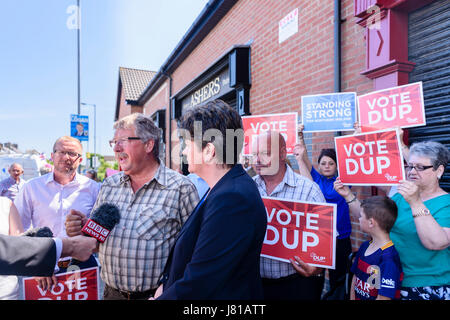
column 38, row 61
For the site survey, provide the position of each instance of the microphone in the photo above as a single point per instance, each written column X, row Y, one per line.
column 42, row 232
column 101, row 223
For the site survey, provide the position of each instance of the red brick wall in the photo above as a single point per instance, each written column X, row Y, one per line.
column 126, row 109
column 160, row 100
column 282, row 73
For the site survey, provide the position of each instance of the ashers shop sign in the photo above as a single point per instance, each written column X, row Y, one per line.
column 212, row 89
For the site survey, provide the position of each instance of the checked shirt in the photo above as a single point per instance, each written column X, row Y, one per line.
column 134, row 254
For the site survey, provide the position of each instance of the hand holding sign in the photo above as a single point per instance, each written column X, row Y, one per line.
column 300, row 229
column 304, row 269
column 373, row 158
column 300, row 148
column 357, row 128
column 81, row 285
column 343, row 190
column 45, row 283
column 300, row 128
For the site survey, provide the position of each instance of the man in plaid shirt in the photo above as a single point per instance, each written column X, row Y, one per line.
column 154, row 203
column 281, row 280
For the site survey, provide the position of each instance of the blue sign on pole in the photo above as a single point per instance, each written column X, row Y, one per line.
column 79, row 127
column 329, row 112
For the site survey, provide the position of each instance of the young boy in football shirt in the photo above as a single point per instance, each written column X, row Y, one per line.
column 376, row 268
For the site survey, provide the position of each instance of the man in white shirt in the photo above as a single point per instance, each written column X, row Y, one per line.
column 47, row 200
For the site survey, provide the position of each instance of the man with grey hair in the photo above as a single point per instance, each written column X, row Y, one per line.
column 11, row 186
column 154, row 203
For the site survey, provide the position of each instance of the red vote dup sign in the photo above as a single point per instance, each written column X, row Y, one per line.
column 401, row 106
column 373, row 158
column 303, row 229
column 284, row 123
column 79, row 285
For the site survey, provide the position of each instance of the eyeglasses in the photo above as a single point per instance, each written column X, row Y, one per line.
column 120, row 141
column 262, row 154
column 72, row 155
column 417, row 167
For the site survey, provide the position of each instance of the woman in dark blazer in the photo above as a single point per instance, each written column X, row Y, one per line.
column 216, row 255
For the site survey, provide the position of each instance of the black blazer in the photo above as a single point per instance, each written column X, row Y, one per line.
column 216, row 255
column 25, row 256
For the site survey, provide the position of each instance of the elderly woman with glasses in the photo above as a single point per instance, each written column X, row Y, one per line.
column 421, row 233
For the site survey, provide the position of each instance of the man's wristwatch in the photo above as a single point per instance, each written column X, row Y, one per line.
column 421, row 212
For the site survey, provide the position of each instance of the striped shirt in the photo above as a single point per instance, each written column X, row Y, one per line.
column 292, row 187
column 135, row 252
column 10, row 188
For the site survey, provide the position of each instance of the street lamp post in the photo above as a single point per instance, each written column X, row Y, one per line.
column 95, row 126
column 78, row 54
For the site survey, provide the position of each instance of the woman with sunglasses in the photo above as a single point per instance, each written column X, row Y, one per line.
column 421, row 233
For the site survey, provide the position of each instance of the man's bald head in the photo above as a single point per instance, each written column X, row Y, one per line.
column 274, row 136
column 66, row 156
column 16, row 165
column 67, row 139
column 15, row 170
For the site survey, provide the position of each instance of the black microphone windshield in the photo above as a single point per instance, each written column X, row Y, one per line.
column 41, row 232
column 107, row 215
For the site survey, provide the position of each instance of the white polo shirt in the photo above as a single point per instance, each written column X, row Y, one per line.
column 43, row 202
